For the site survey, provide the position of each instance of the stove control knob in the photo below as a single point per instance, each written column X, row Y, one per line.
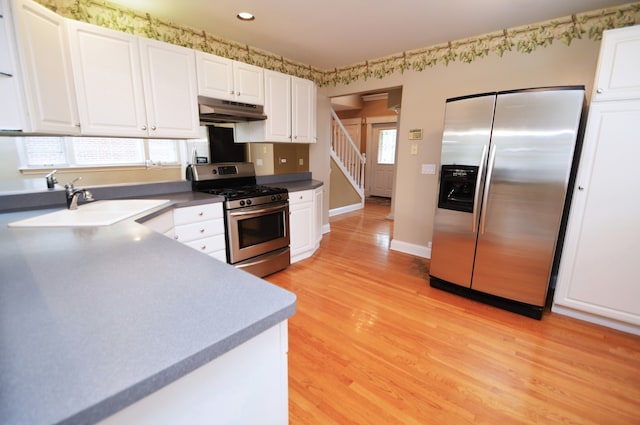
column 279, row 197
column 248, row 201
column 242, row 203
column 273, row 197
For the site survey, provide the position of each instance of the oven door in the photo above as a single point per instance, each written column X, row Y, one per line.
column 253, row 231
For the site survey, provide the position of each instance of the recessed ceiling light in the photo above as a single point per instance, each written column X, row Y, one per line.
column 246, row 16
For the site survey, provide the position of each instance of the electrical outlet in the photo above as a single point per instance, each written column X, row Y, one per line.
column 300, row 161
column 283, row 160
column 428, row 168
column 259, row 162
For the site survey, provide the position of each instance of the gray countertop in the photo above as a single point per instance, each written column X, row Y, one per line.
column 94, row 319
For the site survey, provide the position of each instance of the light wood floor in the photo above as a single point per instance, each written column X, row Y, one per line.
column 372, row 343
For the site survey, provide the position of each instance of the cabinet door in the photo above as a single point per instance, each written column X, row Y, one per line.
column 303, row 110
column 277, row 106
column 215, row 76
column 49, row 90
column 170, row 88
column 618, row 75
column 301, row 224
column 598, row 270
column 106, row 66
column 248, row 83
column 11, row 107
column 318, row 193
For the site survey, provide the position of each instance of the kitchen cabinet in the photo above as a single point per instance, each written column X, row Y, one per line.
column 305, row 223
column 617, row 75
column 222, row 78
column 598, row 277
column 290, row 106
column 37, row 94
column 303, row 110
column 318, row 195
column 132, row 87
column 247, row 385
column 200, row 227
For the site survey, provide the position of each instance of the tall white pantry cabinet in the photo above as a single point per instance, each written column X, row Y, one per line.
column 599, row 274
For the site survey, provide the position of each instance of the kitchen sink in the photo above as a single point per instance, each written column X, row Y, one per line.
column 98, row 213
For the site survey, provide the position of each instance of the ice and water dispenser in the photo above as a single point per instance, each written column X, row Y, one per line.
column 457, row 187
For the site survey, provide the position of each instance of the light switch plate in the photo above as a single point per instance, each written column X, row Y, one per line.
column 414, row 149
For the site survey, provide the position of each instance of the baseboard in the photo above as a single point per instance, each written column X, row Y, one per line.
column 594, row 318
column 326, row 228
column 345, row 209
column 409, row 248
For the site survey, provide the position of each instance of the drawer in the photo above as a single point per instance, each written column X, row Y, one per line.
column 197, row 213
column 208, row 245
column 300, row 197
column 200, row 230
column 219, row 255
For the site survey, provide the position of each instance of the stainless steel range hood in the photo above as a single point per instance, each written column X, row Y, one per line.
column 220, row 111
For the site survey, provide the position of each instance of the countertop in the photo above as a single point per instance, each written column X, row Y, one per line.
column 94, row 319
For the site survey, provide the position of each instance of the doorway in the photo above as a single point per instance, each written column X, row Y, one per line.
column 383, row 153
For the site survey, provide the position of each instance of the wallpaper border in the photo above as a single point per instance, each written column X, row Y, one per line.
column 524, row 39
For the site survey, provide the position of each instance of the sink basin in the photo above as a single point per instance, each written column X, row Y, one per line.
column 99, row 213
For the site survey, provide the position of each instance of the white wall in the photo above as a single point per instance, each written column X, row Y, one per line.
column 423, row 101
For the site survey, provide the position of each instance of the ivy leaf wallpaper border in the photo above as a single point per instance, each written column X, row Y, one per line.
column 524, row 39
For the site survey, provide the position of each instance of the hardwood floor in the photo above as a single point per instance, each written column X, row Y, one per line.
column 372, row 343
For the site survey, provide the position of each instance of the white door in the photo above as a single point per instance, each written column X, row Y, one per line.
column 383, row 159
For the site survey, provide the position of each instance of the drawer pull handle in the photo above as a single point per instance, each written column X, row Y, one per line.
column 203, row 247
column 200, row 213
column 201, row 230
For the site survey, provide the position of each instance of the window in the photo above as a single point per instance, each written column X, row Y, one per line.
column 61, row 152
column 387, row 146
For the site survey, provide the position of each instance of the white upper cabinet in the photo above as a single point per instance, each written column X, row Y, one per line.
column 223, row 78
column 290, row 107
column 303, row 110
column 131, row 87
column 277, row 87
column 618, row 72
column 170, row 88
column 47, row 100
column 106, row 66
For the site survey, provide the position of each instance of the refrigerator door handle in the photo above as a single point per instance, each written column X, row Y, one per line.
column 477, row 191
column 487, row 186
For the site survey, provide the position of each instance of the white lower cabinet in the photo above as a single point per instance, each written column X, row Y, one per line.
column 305, row 212
column 247, row 385
column 598, row 278
column 200, row 227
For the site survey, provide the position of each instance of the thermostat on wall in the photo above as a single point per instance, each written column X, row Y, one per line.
column 415, row 134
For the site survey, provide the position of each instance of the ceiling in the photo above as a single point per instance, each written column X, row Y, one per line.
column 336, row 33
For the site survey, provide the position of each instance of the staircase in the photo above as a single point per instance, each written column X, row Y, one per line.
column 346, row 155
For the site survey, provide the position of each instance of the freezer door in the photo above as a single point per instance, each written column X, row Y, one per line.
column 465, row 143
column 532, row 146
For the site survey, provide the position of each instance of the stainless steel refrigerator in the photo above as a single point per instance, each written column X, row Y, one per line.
column 506, row 163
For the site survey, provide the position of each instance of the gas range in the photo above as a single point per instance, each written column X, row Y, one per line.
column 256, row 217
column 236, row 182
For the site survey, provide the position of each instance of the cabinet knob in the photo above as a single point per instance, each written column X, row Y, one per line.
column 599, row 91
column 200, row 213
column 175, row 237
column 580, row 187
column 232, row 92
column 203, row 247
column 143, row 128
column 201, row 230
column 153, row 128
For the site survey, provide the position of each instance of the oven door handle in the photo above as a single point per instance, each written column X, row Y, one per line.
column 259, row 210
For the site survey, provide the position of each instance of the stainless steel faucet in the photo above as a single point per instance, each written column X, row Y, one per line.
column 73, row 194
column 51, row 179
